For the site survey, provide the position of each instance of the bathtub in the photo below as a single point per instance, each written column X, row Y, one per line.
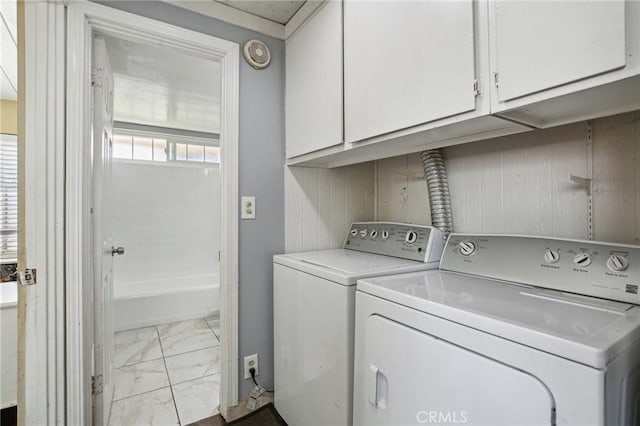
column 8, row 344
column 146, row 303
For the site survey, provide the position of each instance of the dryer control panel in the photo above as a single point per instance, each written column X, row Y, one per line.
column 607, row 270
column 412, row 242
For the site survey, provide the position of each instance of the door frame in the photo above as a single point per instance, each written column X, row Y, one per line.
column 41, row 233
column 83, row 18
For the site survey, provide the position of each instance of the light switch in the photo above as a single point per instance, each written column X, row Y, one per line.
column 248, row 208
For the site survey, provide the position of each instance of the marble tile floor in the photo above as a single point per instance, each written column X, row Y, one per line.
column 167, row 374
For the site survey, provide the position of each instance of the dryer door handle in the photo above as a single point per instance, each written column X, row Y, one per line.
column 373, row 385
column 377, row 387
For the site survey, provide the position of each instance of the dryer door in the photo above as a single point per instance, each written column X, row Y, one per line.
column 414, row 378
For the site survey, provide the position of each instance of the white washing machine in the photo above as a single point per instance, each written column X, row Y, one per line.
column 510, row 331
column 314, row 308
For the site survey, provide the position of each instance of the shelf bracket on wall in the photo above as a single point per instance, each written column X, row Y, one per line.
column 582, row 181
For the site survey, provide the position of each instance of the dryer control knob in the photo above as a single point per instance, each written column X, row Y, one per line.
column 582, row 259
column 551, row 256
column 385, row 235
column 364, row 232
column 354, row 232
column 411, row 237
column 617, row 263
column 373, row 234
column 467, row 248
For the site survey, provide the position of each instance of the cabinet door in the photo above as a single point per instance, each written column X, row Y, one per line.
column 538, row 45
column 416, row 378
column 406, row 63
column 314, row 83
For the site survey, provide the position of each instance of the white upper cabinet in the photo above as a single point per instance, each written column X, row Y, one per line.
column 314, row 83
column 546, row 56
column 406, row 63
column 540, row 45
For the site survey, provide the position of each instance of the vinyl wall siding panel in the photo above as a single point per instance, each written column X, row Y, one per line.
column 521, row 183
column 616, row 169
column 320, row 204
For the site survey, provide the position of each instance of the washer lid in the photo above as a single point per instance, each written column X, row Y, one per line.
column 584, row 329
column 347, row 266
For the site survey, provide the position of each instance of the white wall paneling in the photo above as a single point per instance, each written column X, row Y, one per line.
column 320, row 204
column 402, row 191
column 520, row 184
column 616, row 170
column 515, row 184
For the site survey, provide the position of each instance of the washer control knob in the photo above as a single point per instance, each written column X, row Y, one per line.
column 411, row 237
column 617, row 263
column 582, row 259
column 373, row 234
column 354, row 232
column 467, row 248
column 364, row 232
column 385, row 235
column 551, row 256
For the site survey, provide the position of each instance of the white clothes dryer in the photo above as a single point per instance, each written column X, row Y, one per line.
column 314, row 310
column 511, row 330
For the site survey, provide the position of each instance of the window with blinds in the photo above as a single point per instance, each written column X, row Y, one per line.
column 8, row 198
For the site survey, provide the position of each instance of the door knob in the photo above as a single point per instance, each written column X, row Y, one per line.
column 117, row 250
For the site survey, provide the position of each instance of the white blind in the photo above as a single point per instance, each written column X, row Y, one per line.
column 8, row 197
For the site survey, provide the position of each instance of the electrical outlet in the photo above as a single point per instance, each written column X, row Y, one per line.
column 248, row 208
column 250, row 361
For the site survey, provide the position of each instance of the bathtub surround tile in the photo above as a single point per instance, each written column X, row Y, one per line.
column 139, row 378
column 133, row 346
column 186, row 336
column 193, row 365
column 152, row 408
column 197, row 399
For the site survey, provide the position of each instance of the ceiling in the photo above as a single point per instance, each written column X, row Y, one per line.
column 8, row 51
column 160, row 86
column 279, row 11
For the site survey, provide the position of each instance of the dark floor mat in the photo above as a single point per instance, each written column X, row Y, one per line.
column 9, row 416
column 263, row 416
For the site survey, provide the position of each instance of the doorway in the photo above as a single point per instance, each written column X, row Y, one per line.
column 158, row 110
column 175, row 274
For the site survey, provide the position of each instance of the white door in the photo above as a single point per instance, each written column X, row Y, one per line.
column 102, row 231
column 406, row 63
column 543, row 44
column 415, row 378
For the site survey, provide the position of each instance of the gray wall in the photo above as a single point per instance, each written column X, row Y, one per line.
column 261, row 174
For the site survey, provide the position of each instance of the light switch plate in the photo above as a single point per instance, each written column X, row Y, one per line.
column 248, row 208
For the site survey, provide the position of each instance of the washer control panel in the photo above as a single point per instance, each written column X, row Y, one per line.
column 607, row 270
column 412, row 242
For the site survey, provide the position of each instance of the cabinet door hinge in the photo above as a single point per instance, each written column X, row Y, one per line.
column 97, row 76
column 495, row 79
column 27, row 277
column 476, row 87
column 96, row 384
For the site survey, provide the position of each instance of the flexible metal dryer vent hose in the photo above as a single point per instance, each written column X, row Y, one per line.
column 435, row 174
